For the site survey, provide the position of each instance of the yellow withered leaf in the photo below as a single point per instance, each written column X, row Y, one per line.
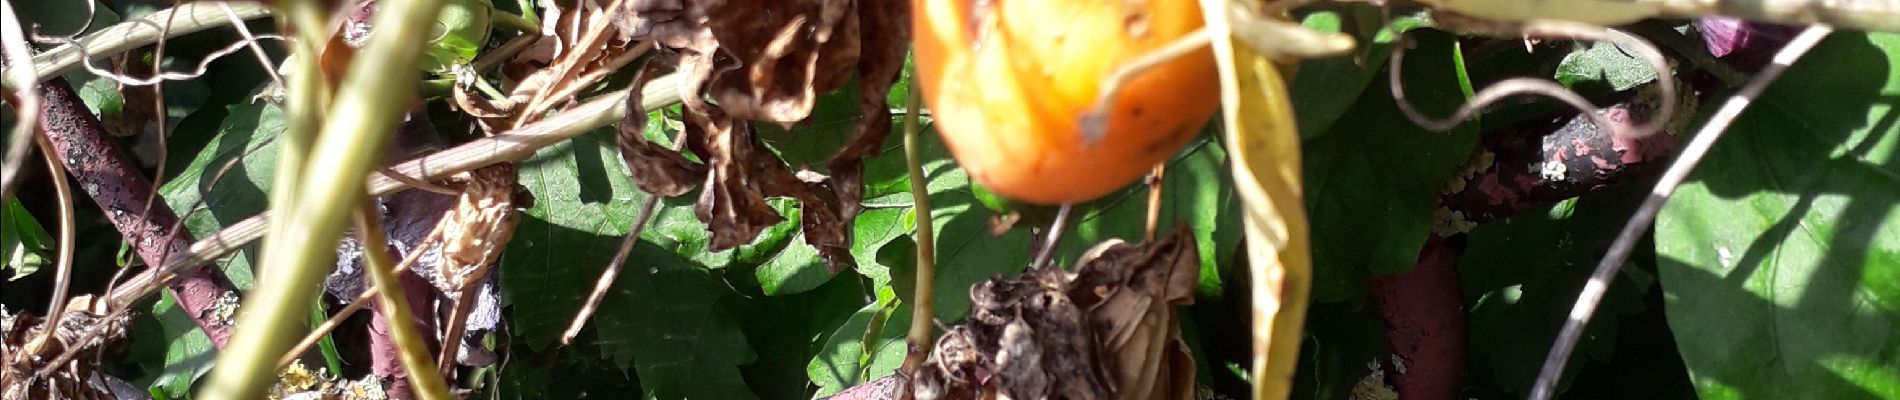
column 1264, row 144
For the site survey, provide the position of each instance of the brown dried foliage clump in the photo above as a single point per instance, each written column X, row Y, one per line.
column 768, row 61
column 88, row 330
column 1106, row 331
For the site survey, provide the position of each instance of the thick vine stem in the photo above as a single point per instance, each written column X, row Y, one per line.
column 394, row 305
column 1612, row 263
column 370, row 101
column 923, row 311
column 114, row 182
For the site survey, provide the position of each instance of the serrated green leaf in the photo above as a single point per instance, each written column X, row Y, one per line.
column 659, row 315
column 1780, row 258
column 1604, row 64
column 1373, row 182
column 790, row 331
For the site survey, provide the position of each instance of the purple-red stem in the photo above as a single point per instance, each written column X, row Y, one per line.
column 115, row 183
column 1423, row 310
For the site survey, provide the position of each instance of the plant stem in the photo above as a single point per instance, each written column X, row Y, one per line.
column 306, row 97
column 1612, row 263
column 516, row 144
column 114, row 183
column 922, row 310
column 25, row 100
column 63, row 272
column 193, row 17
column 370, row 101
column 395, row 306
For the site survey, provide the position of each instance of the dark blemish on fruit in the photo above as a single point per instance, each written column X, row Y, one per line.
column 1135, row 23
column 1136, row 111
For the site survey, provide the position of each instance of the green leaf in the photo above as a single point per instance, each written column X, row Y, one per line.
column 1373, row 182
column 1326, row 88
column 1521, row 275
column 206, row 195
column 790, row 331
column 1604, row 64
column 187, row 352
column 659, row 315
column 870, row 344
column 1781, row 257
column 460, row 31
column 24, row 243
column 1196, row 191
column 572, row 374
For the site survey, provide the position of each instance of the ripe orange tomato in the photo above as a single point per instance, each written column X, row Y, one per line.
column 1008, row 82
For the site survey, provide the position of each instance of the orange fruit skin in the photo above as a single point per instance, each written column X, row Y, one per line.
column 1008, row 82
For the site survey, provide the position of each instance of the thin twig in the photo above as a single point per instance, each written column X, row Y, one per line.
column 515, row 144
column 607, row 276
column 362, row 300
column 1154, row 201
column 63, row 275
column 1619, row 251
column 164, row 151
column 1544, row 87
column 324, row 329
column 923, row 312
column 263, row 59
column 1053, row 237
column 395, row 306
column 1095, row 122
column 196, row 16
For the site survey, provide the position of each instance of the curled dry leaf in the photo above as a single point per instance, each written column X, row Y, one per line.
column 657, row 170
column 480, row 226
column 766, row 61
column 782, row 53
column 1106, row 331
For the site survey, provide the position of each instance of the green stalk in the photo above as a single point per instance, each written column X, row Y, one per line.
column 306, row 96
column 414, row 351
column 923, row 310
column 368, row 104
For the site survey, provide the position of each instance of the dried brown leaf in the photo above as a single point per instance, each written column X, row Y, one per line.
column 1106, row 331
column 480, row 226
column 657, row 170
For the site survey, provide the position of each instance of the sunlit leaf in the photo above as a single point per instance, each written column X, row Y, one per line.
column 1780, row 257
